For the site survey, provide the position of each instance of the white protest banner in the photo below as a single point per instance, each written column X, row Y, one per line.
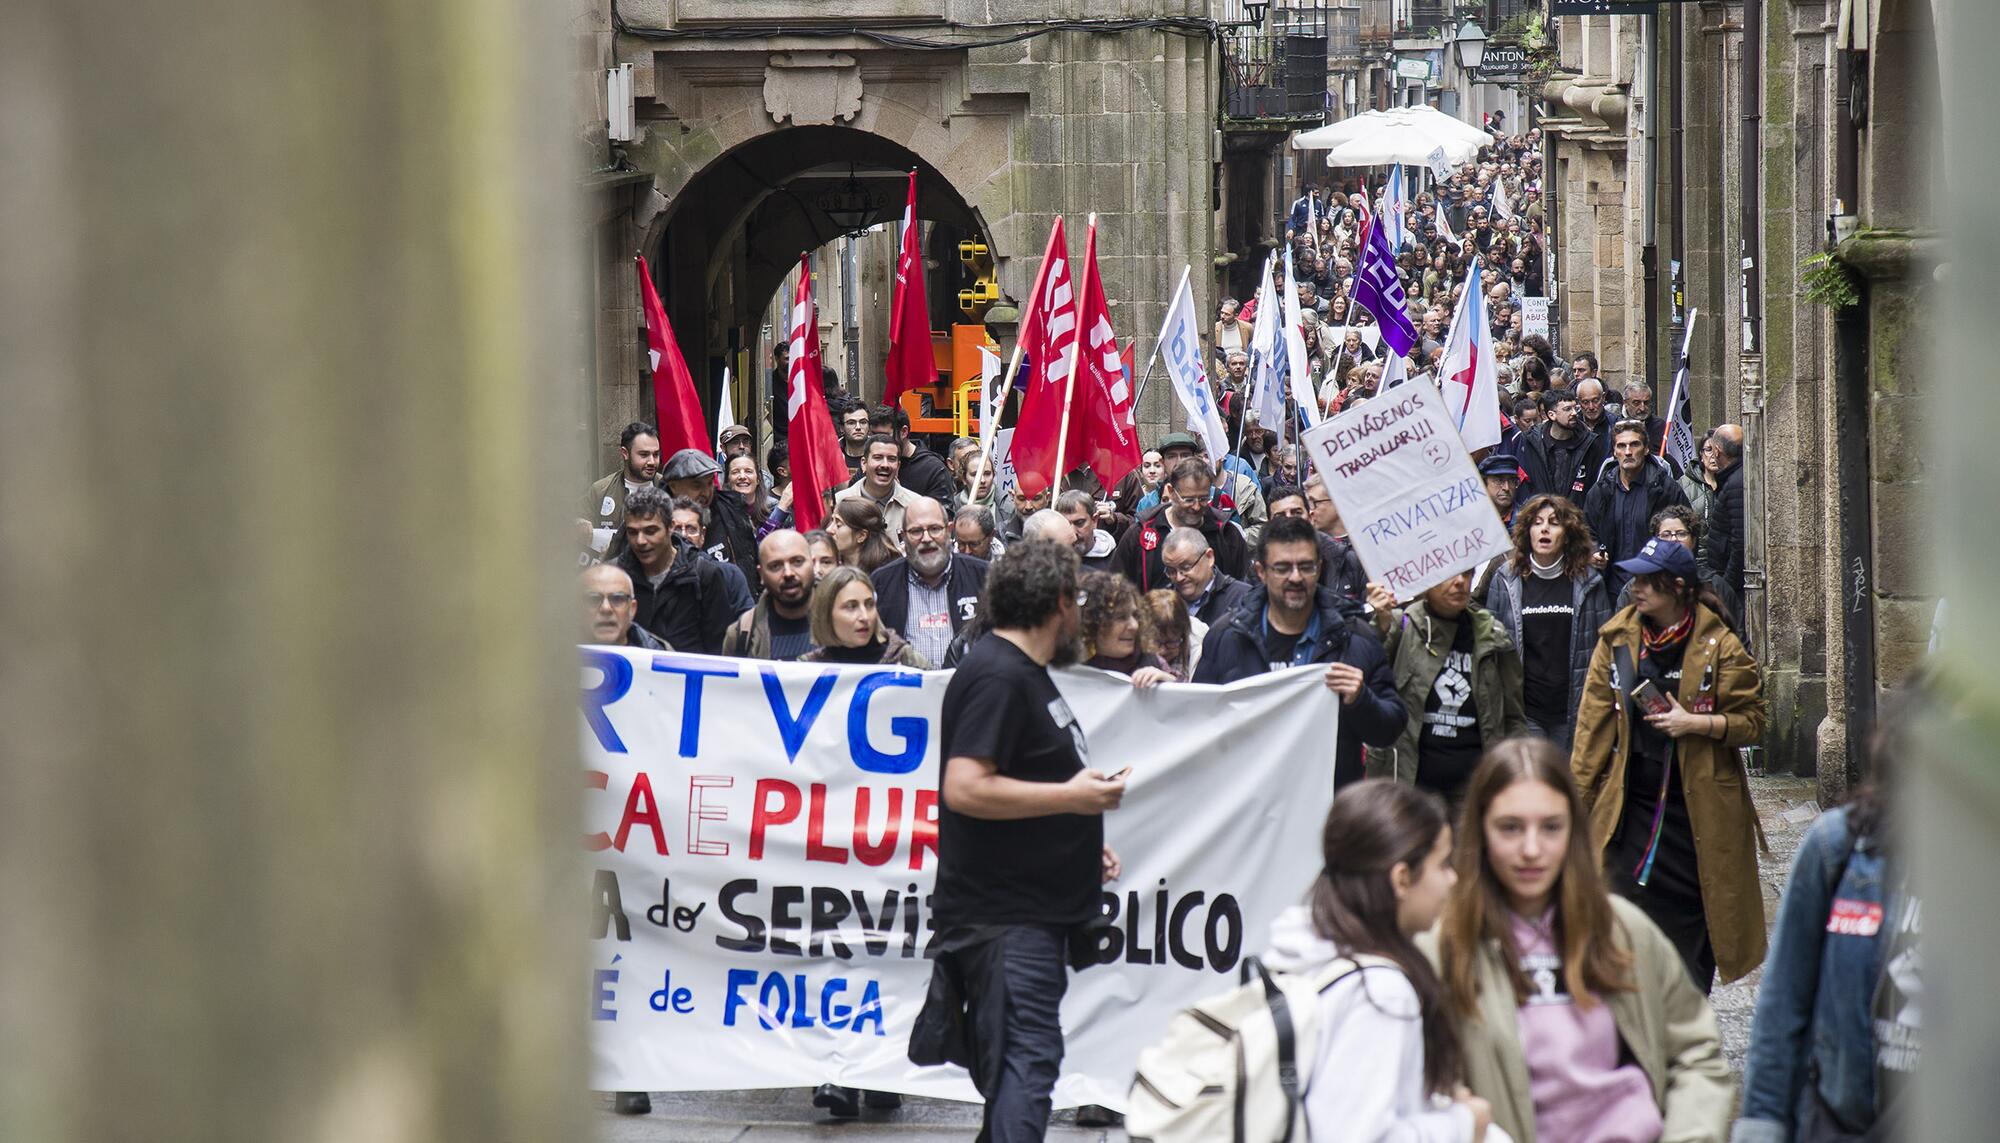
column 1003, row 464
column 1440, row 165
column 1534, row 316
column 1413, row 504
column 762, row 844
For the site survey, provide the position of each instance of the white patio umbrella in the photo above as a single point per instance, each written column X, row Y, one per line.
column 1399, row 135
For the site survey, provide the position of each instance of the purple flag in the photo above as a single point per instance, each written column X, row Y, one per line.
column 1377, row 288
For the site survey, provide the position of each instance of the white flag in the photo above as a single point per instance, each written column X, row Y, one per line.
column 725, row 415
column 1502, row 209
column 1299, row 373
column 1392, row 209
column 989, row 401
column 1444, row 224
column 1180, row 347
column 1468, row 381
column 1395, row 371
column 1266, row 400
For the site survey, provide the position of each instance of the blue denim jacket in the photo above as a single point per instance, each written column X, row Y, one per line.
column 1815, row 1022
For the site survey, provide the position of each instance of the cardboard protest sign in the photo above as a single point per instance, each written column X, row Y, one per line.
column 1534, row 316
column 761, row 844
column 1414, row 506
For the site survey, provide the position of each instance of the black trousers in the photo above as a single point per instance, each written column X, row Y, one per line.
column 1679, row 916
column 1031, row 968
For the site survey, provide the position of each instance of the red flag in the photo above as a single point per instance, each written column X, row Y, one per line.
column 1103, row 403
column 911, row 365
column 1048, row 330
column 814, row 448
column 676, row 408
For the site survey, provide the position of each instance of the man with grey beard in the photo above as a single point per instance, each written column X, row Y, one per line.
column 932, row 592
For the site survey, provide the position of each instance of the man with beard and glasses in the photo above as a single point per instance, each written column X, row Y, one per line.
column 1021, row 852
column 778, row 627
column 1289, row 620
column 932, row 592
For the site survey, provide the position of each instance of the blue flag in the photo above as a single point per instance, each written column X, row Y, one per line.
column 1378, row 289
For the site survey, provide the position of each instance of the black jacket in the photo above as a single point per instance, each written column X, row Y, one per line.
column 1600, row 508
column 1722, row 543
column 1234, row 650
column 964, row 583
column 926, row 474
column 1555, row 467
column 690, row 609
column 1223, row 599
column 732, row 535
column 1340, row 567
column 1139, row 548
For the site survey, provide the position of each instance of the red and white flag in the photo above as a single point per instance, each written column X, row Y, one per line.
column 1103, row 384
column 812, row 445
column 1468, row 379
column 676, row 406
column 911, row 365
column 1048, row 330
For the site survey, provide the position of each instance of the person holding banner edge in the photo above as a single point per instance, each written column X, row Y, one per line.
column 1021, row 850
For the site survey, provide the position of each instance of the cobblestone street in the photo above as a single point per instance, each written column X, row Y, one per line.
column 1785, row 805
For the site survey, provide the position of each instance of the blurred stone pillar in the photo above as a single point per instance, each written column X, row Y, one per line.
column 286, row 772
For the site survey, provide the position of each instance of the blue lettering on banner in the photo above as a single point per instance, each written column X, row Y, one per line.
column 787, row 1002
column 1442, row 502
column 793, row 729
column 615, row 680
column 913, row 730
column 693, row 675
column 606, row 996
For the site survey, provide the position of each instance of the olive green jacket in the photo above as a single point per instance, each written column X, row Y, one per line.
column 1665, row 1025
column 1417, row 643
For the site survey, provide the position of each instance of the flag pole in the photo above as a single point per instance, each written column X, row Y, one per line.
column 1075, row 359
column 1154, row 359
column 1680, row 378
column 986, row 410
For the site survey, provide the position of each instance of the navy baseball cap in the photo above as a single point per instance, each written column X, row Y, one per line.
column 1662, row 556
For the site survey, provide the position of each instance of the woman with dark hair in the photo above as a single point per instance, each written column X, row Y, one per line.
column 1386, row 1045
column 859, row 532
column 1551, row 602
column 846, row 628
column 1670, row 697
column 1837, row 1034
column 1118, row 629
column 1574, row 1013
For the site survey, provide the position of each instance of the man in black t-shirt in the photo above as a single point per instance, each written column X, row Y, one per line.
column 1021, row 852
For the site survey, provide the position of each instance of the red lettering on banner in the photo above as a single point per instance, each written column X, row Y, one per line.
column 700, row 811
column 877, row 854
column 1854, row 918
column 816, row 847
column 637, row 814
column 923, row 831
column 764, row 814
column 596, row 780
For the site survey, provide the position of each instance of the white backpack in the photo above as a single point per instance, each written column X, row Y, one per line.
column 1230, row 1067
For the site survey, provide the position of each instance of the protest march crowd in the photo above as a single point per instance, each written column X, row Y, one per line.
column 1542, row 851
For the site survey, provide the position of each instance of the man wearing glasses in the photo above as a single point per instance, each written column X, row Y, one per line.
column 1184, row 504
column 1289, row 620
column 1190, row 564
column 609, row 603
column 932, row 592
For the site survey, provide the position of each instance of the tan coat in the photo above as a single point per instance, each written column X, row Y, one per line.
column 1711, row 773
column 1666, row 1025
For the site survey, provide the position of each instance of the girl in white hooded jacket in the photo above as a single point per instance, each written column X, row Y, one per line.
column 1386, row 1067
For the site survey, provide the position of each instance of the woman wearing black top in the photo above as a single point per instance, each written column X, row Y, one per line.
column 846, row 629
column 1551, row 601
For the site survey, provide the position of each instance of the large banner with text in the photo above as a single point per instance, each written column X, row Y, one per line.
column 762, row 840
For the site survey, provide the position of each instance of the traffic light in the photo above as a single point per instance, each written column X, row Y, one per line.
column 976, row 299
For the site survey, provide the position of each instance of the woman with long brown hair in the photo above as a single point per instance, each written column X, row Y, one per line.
column 1551, row 602
column 1386, row 1042
column 1575, row 1016
column 860, row 534
column 1671, row 696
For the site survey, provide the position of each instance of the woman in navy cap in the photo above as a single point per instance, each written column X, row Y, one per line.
column 1670, row 697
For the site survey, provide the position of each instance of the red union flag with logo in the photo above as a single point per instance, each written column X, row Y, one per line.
column 814, row 449
column 910, row 365
column 1098, row 427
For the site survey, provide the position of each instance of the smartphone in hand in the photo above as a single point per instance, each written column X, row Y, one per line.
column 1650, row 699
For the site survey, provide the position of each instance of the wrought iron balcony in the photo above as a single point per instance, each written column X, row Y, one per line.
column 1275, row 70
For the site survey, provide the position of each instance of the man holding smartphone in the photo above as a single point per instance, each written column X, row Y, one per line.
column 1021, row 852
